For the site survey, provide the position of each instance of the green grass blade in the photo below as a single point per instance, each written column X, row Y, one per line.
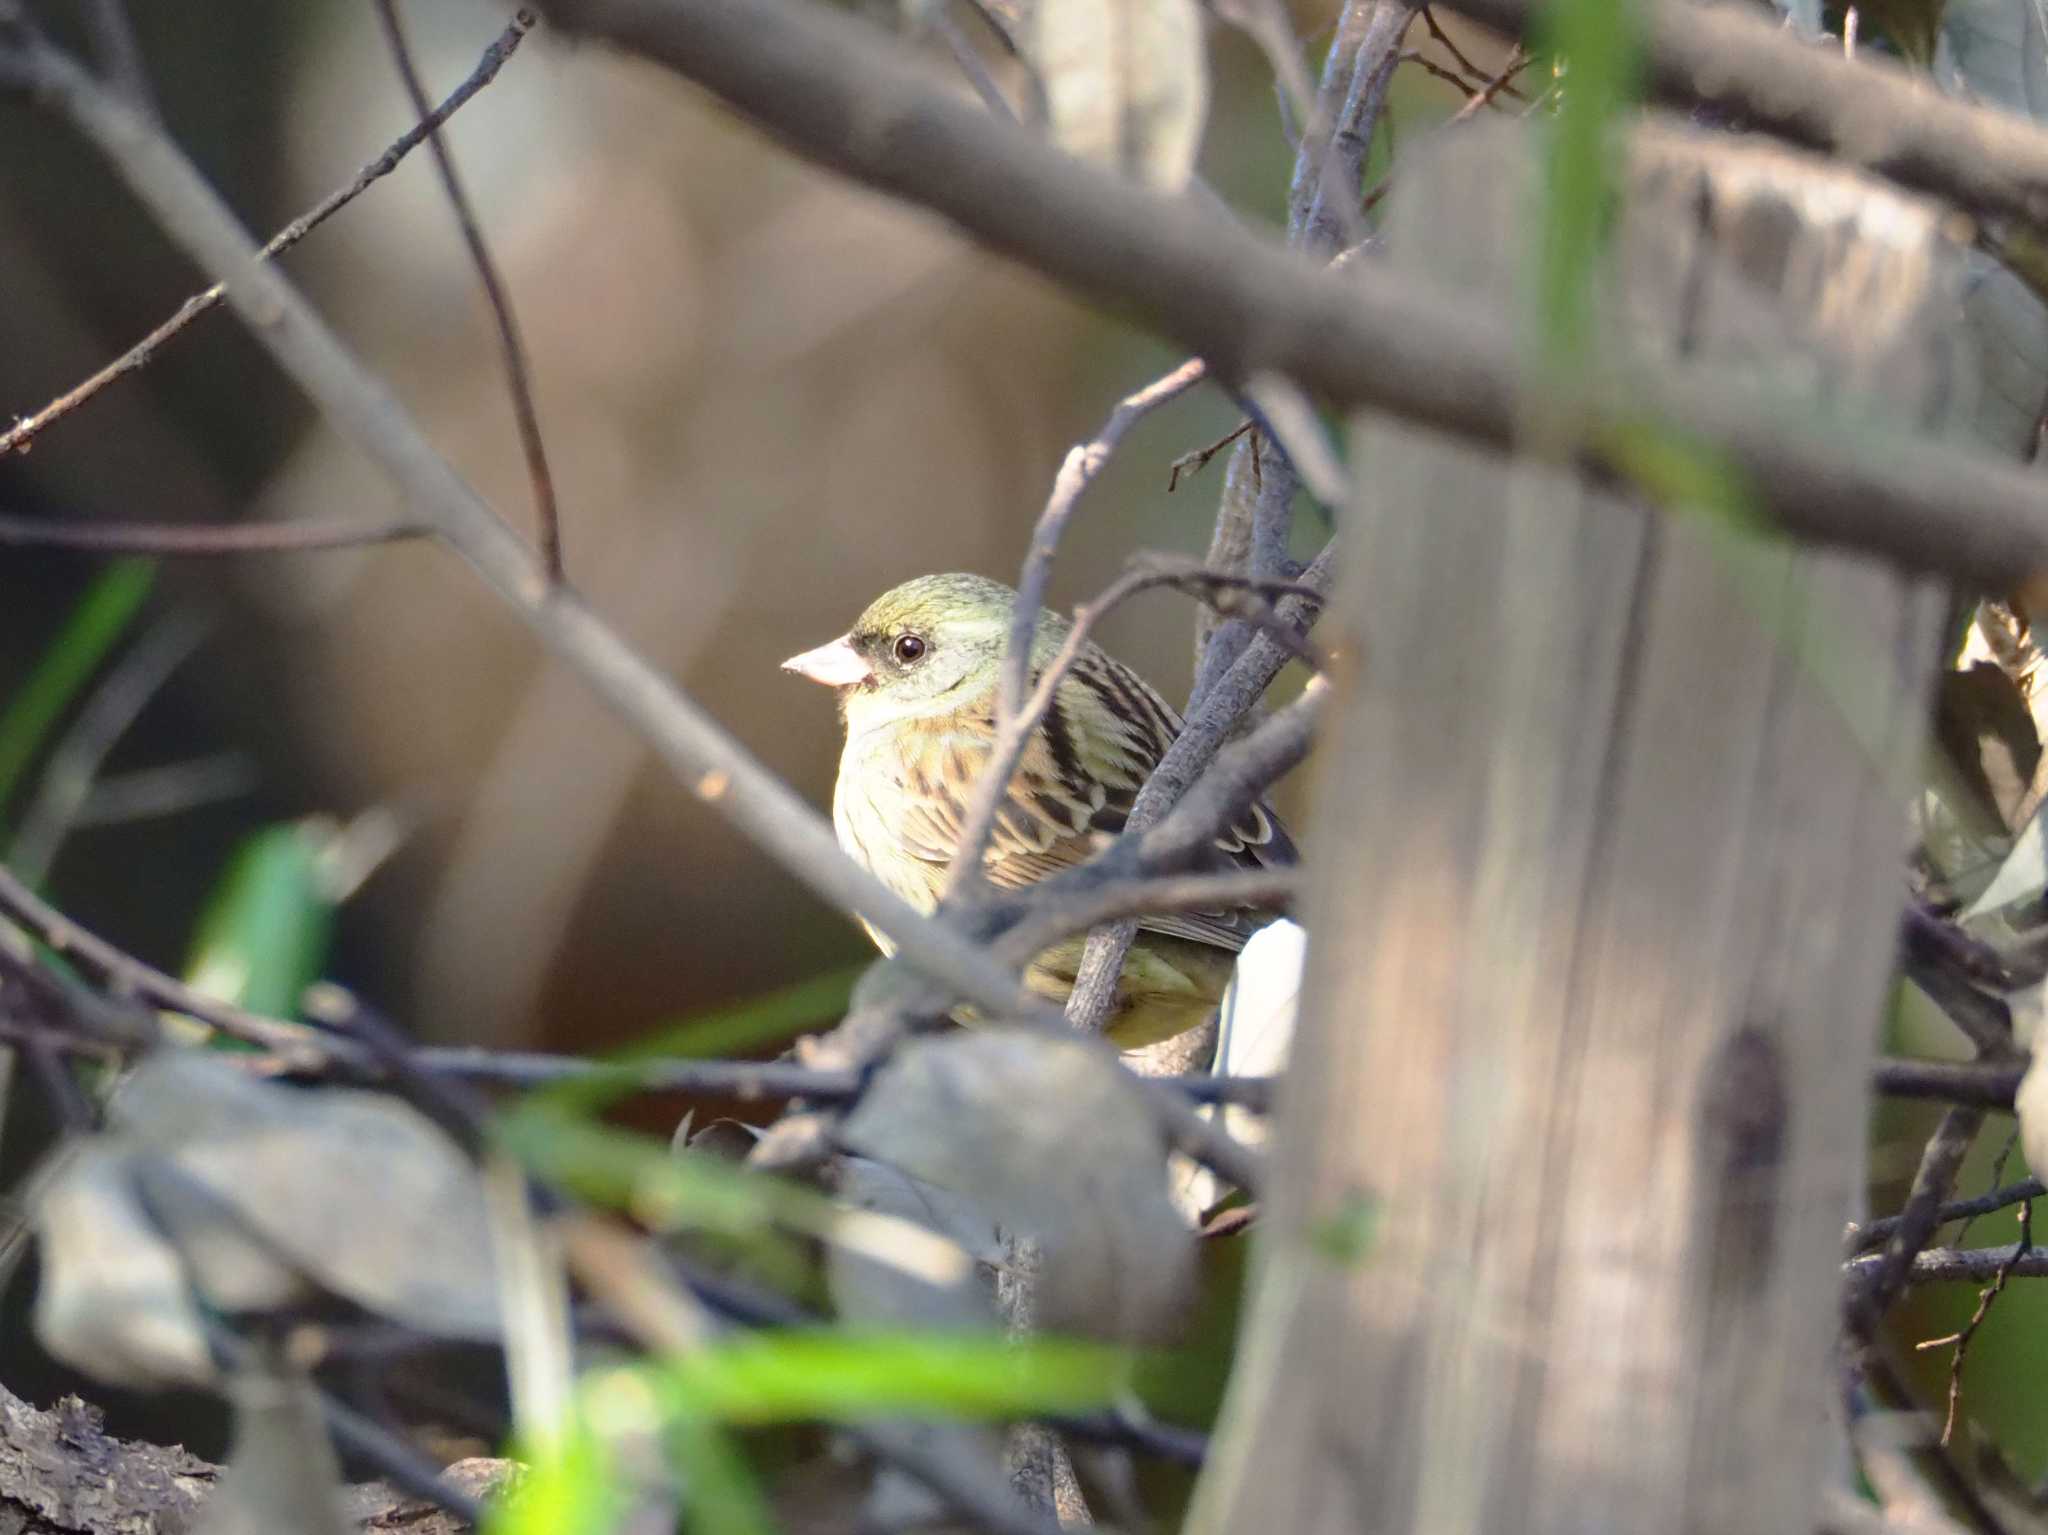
column 96, row 624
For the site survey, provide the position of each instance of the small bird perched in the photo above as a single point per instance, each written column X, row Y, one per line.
column 917, row 682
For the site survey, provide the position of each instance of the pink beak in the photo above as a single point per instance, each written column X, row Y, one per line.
column 837, row 665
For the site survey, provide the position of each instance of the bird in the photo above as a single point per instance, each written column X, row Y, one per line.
column 917, row 683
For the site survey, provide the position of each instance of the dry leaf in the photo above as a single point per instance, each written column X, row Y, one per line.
column 1050, row 1140
column 254, row 1196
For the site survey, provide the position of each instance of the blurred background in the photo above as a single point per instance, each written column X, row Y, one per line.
column 767, row 397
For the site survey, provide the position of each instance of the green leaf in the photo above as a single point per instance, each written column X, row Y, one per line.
column 264, row 934
column 839, row 1376
column 573, row 1488
column 724, row 1495
column 1601, row 43
column 101, row 616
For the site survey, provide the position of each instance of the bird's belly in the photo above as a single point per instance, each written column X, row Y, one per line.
column 871, row 838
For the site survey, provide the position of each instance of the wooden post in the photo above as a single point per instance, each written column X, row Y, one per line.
column 1606, row 862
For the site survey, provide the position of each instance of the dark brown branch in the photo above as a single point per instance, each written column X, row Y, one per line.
column 125, row 974
column 181, row 539
column 1874, row 1283
column 826, row 86
column 1865, row 111
column 740, row 1081
column 1974, row 1265
column 17, row 437
column 1444, row 42
column 1939, row 966
column 1861, row 1239
column 1961, row 1340
column 1986, row 1084
column 1256, row 888
column 1502, row 82
column 518, row 374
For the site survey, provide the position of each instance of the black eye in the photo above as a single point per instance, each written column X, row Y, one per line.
column 909, row 648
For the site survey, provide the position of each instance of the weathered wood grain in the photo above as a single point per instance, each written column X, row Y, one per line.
column 1605, row 872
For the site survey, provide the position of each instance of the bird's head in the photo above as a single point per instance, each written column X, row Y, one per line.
column 927, row 647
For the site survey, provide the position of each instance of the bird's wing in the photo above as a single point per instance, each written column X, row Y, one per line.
column 1073, row 791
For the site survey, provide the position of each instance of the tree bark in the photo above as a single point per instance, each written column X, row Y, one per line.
column 1609, row 824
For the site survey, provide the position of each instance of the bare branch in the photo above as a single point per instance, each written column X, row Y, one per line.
column 518, row 374
column 1014, row 731
column 970, row 63
column 1254, row 888
column 1961, row 1340
column 125, row 974
column 24, row 430
column 1016, row 717
column 1503, row 82
column 1171, row 840
column 1986, row 1084
column 188, row 539
column 1861, row 1239
column 741, row 1081
column 1874, row 1283
column 74, row 762
column 1866, row 111
column 1443, row 41
column 147, row 793
column 1364, row 337
column 114, row 45
column 1975, row 1265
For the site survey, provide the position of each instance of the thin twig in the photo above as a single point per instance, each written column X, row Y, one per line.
column 1517, row 62
column 1270, row 27
column 1014, row 731
column 1948, row 1265
column 1868, row 111
column 1083, row 463
column 107, row 714
column 181, row 539
column 1872, row 1289
column 114, row 45
column 1444, row 42
column 1209, row 723
column 740, row 1081
column 518, row 373
column 1015, row 718
column 970, row 62
column 1861, row 1239
column 1253, row 889
column 18, row 437
column 1041, row 103
column 1196, row 461
column 1468, row 88
column 1961, row 1340
column 124, row 973
column 145, row 794
column 1289, row 420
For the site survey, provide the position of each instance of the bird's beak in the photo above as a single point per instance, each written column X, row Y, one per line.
column 837, row 665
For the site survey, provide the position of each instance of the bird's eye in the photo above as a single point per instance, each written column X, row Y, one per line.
column 909, row 648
